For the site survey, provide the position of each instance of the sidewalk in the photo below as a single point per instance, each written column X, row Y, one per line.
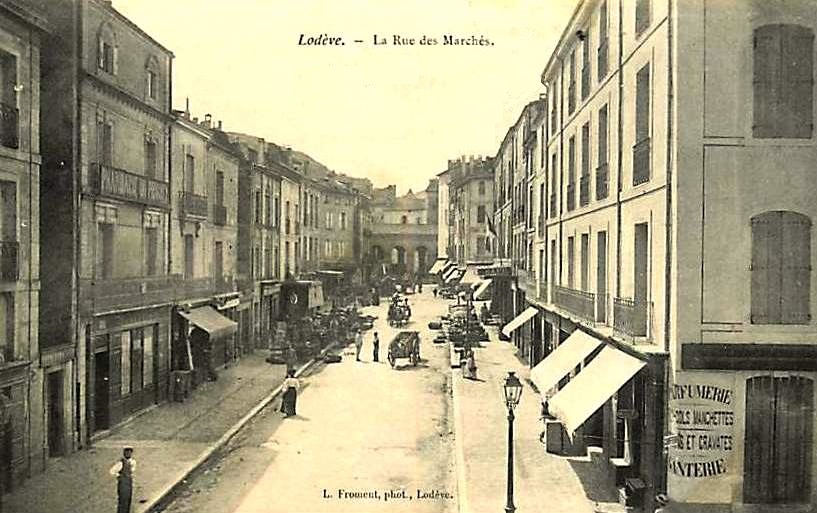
column 169, row 442
column 542, row 481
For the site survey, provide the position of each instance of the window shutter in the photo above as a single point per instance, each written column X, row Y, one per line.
column 766, row 76
column 760, row 270
column 758, row 453
column 642, row 104
column 115, row 66
column 797, row 81
column 100, row 54
column 796, row 268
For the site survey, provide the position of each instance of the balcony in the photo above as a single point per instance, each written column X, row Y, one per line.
column 194, row 205
column 641, row 162
column 584, row 190
column 602, row 177
column 571, row 196
column 117, row 183
column 577, row 302
column 601, row 308
column 8, row 260
column 553, row 205
column 118, row 293
column 630, row 316
column 9, row 126
column 224, row 284
column 220, row 215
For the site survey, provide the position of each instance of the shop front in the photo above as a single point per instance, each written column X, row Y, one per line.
column 269, row 313
column 13, row 424
column 206, row 337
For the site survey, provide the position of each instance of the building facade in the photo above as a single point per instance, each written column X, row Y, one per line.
column 24, row 380
column 470, row 189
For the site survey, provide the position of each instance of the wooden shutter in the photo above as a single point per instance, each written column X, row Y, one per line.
column 795, row 248
column 642, row 104
column 792, row 442
column 767, row 51
column 760, row 269
column 759, row 432
column 796, row 82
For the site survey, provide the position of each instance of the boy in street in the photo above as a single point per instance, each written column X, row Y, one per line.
column 376, row 348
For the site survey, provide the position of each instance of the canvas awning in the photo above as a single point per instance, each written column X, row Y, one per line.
column 447, row 274
column 519, row 320
column 209, row 320
column 438, row 266
column 563, row 359
column 470, row 276
column 452, row 275
column 483, row 286
column 593, row 386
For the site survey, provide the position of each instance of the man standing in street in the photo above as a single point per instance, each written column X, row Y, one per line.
column 358, row 344
column 124, row 470
column 376, row 348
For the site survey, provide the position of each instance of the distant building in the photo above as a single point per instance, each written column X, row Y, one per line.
column 471, row 205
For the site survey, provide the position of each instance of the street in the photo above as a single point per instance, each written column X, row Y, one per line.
column 366, row 438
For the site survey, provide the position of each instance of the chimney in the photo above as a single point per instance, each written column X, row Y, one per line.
column 187, row 108
column 219, row 125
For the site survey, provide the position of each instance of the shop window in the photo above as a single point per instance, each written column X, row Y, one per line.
column 781, row 268
column 126, row 362
column 783, row 81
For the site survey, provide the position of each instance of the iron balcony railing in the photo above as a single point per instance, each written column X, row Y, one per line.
column 601, row 308
column 584, row 190
column 8, row 260
column 602, row 179
column 9, row 126
column 571, row 196
column 220, row 215
column 117, row 183
column 578, row 302
column 641, row 161
column 193, row 204
column 630, row 316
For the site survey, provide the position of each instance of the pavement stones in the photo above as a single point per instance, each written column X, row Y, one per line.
column 542, row 481
column 170, row 441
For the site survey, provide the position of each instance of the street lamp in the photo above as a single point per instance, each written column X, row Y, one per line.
column 513, row 392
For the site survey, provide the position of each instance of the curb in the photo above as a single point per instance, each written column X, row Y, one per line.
column 159, row 498
column 459, row 448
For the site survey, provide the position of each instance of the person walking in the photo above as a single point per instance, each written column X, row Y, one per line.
column 376, row 348
column 434, row 291
column 470, row 370
column 124, row 470
column 289, row 400
column 358, row 344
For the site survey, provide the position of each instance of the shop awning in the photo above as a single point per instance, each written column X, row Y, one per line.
column 438, row 266
column 452, row 275
column 470, row 276
column 563, row 359
column 593, row 386
column 208, row 319
column 447, row 274
column 483, row 286
column 519, row 320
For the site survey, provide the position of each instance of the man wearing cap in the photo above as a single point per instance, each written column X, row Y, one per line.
column 124, row 470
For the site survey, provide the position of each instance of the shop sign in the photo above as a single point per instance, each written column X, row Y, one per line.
column 700, row 455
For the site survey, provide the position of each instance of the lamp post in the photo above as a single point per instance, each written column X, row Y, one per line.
column 513, row 392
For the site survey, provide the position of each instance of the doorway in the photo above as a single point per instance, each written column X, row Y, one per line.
column 102, row 376
column 55, row 428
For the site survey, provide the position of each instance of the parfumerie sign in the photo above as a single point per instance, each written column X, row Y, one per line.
column 702, row 414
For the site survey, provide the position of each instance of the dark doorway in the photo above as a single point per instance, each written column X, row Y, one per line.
column 55, row 395
column 102, row 371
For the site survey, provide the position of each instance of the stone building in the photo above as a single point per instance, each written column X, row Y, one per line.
column 471, row 204
column 108, row 292
column 31, row 388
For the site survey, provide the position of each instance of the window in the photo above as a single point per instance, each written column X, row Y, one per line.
column 641, row 149
column 419, row 220
column 105, row 267
column 267, row 210
column 601, row 64
column 189, row 256
column 151, row 84
column 585, row 249
column 553, row 274
column 778, row 440
column 586, row 64
column 481, row 214
column 571, row 88
column 783, row 82
column 553, row 187
column 107, row 56
column 220, row 189
column 602, row 170
column 150, row 337
column 481, row 188
column 125, row 348
column 218, row 261
column 571, row 255
column 258, row 208
column 151, row 251
column 343, row 221
column 7, row 326
column 267, row 263
column 9, row 122
column 781, row 268
column 642, row 16
column 541, row 217
column 150, row 159
column 189, row 173
column 137, row 360
column 403, row 220
column 571, row 173
column 105, row 142
column 584, row 186
column 553, row 107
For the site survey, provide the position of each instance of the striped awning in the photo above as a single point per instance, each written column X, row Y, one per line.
column 483, row 286
column 438, row 266
column 519, row 320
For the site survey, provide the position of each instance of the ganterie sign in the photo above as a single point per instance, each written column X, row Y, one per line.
column 702, row 423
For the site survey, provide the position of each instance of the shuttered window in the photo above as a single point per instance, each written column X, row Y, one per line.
column 783, row 82
column 781, row 268
column 778, row 440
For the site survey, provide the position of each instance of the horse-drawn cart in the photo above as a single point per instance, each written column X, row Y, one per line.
column 406, row 344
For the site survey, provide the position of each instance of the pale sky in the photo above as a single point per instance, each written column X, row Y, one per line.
column 392, row 114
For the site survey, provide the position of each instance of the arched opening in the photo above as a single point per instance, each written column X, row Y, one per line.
column 377, row 253
column 398, row 255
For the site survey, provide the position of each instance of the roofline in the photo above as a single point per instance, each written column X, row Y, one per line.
column 562, row 38
column 134, row 26
column 27, row 14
